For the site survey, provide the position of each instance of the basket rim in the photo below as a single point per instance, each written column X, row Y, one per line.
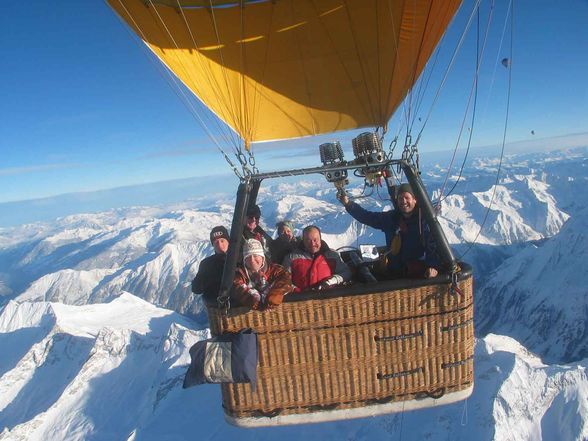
column 372, row 288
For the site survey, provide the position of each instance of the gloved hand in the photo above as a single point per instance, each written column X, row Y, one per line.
column 343, row 198
column 275, row 298
column 328, row 283
column 254, row 298
column 431, row 272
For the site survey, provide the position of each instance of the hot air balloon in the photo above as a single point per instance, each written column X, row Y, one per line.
column 284, row 69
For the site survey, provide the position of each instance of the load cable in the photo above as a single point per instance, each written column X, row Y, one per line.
column 236, row 141
column 224, row 70
column 474, row 93
column 172, row 82
column 495, row 186
column 452, row 61
column 471, row 131
column 174, row 42
column 228, row 135
column 416, row 67
column 497, row 59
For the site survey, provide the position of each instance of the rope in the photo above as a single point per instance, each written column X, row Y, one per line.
column 422, row 89
column 511, row 10
column 259, row 85
column 454, row 56
column 224, row 70
column 474, row 93
column 172, row 82
column 401, row 420
column 497, row 58
column 401, row 122
column 470, row 136
column 229, row 136
column 379, row 76
column 242, row 95
column 464, row 414
column 416, row 63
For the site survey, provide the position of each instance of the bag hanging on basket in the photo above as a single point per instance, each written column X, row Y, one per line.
column 228, row 358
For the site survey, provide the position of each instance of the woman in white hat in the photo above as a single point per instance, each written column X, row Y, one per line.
column 259, row 284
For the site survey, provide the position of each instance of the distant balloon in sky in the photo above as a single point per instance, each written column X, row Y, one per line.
column 532, row 132
column 506, row 62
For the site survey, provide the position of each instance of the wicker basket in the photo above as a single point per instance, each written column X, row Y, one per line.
column 350, row 351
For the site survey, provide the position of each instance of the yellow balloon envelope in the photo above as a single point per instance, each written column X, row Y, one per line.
column 285, row 69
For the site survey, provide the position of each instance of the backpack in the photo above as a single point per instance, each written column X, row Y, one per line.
column 228, row 358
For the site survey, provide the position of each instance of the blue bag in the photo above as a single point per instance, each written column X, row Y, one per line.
column 228, row 358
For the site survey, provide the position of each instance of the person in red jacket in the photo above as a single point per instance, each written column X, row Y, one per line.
column 314, row 265
column 257, row 283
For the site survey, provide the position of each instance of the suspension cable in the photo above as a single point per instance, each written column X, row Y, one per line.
column 416, row 66
column 172, row 82
column 224, row 71
column 229, row 136
column 422, row 89
column 181, row 89
column 469, row 142
column 453, row 58
column 497, row 58
column 474, row 93
column 511, row 4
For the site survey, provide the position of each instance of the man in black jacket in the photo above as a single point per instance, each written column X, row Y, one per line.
column 411, row 249
column 208, row 279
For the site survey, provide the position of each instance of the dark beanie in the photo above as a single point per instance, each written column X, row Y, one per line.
column 254, row 210
column 218, row 232
column 404, row 188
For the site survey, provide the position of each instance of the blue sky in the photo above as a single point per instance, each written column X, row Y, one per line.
column 84, row 107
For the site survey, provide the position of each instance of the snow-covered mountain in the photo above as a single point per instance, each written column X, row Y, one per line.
column 88, row 258
column 114, row 371
column 154, row 253
column 540, row 295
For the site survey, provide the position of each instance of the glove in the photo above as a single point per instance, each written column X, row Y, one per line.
column 254, row 298
column 275, row 298
column 343, row 198
column 328, row 283
column 431, row 272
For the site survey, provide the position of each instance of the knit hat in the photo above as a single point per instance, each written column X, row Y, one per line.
column 404, row 188
column 254, row 210
column 284, row 224
column 252, row 247
column 218, row 232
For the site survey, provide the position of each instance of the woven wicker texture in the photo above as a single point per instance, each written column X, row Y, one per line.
column 352, row 351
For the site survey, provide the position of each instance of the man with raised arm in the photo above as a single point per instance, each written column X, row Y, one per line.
column 411, row 249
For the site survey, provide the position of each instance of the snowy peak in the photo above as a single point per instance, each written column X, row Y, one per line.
column 543, row 402
column 120, row 354
column 120, row 377
column 154, row 253
column 539, row 296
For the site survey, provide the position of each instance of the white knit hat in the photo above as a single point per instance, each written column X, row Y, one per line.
column 252, row 247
